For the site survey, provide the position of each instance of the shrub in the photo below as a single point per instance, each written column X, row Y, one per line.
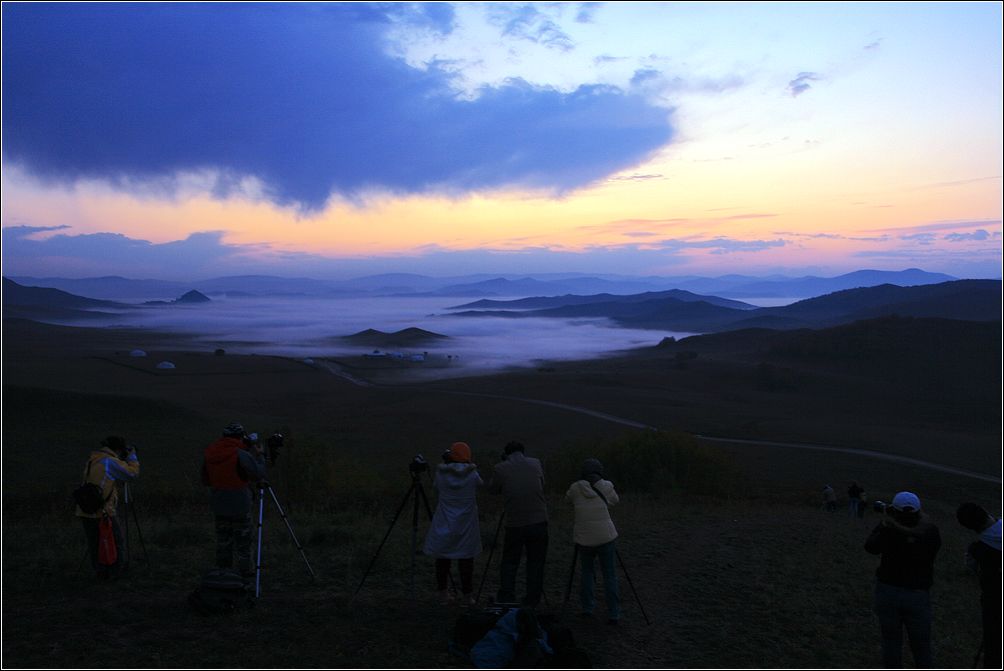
column 656, row 463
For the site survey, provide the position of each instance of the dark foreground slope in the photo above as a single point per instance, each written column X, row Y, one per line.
column 752, row 574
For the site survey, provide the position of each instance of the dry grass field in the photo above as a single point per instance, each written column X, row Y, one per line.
column 740, row 569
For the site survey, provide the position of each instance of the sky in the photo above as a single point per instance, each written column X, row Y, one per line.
column 335, row 140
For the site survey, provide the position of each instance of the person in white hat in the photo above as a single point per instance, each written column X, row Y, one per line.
column 908, row 542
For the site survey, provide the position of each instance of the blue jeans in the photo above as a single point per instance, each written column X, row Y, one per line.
column 898, row 607
column 533, row 537
column 607, row 554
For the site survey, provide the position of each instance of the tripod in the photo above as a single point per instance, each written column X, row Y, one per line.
column 491, row 553
column 571, row 578
column 128, row 503
column 263, row 486
column 416, row 491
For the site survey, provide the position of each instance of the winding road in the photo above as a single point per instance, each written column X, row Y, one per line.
column 333, row 369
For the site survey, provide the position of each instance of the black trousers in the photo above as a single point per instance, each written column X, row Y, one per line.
column 533, row 539
column 464, row 566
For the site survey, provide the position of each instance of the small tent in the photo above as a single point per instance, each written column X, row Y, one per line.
column 165, row 365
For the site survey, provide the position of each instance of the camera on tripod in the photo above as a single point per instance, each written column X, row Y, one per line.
column 272, row 447
column 418, row 464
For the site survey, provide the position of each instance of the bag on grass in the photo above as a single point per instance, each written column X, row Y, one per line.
column 108, row 552
column 471, row 627
column 221, row 591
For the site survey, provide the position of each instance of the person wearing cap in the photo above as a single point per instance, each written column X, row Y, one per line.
column 983, row 556
column 454, row 532
column 594, row 533
column 114, row 461
column 520, row 481
column 228, row 469
column 908, row 543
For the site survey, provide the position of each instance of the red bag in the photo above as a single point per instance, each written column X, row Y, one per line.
column 108, row 553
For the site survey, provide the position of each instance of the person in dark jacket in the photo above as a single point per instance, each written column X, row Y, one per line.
column 908, row 542
column 984, row 557
column 229, row 470
column 854, row 499
column 520, row 481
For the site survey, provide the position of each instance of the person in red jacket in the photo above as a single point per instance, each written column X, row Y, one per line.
column 229, row 469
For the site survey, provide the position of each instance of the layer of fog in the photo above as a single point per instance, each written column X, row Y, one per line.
column 309, row 327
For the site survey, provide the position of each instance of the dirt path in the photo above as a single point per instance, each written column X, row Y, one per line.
column 335, row 370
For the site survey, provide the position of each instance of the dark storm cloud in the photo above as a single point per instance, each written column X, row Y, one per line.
column 302, row 96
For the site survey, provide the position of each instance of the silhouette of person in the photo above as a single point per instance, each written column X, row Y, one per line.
column 854, row 499
column 908, row 542
column 984, row 557
column 520, row 481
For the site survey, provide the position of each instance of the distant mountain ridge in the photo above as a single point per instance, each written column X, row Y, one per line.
column 485, row 285
column 544, row 302
column 968, row 300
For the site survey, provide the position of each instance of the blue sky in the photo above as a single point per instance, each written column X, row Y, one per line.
column 170, row 139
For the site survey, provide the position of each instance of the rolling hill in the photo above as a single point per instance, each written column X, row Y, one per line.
column 409, row 337
column 969, row 300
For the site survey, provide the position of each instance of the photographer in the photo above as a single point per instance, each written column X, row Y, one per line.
column 114, row 461
column 229, row 466
column 908, row 543
column 520, row 480
column 594, row 534
column 983, row 556
column 454, row 532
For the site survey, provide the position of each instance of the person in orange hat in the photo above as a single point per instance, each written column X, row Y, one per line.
column 454, row 532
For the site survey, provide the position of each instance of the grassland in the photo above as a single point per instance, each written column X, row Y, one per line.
column 736, row 564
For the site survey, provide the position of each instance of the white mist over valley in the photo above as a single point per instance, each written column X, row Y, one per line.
column 314, row 327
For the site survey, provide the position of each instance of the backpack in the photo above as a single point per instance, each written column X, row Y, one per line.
column 88, row 495
column 221, row 591
column 471, row 627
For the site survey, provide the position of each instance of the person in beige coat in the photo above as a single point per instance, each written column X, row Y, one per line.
column 594, row 535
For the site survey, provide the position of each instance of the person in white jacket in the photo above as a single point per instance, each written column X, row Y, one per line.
column 454, row 532
column 594, row 534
